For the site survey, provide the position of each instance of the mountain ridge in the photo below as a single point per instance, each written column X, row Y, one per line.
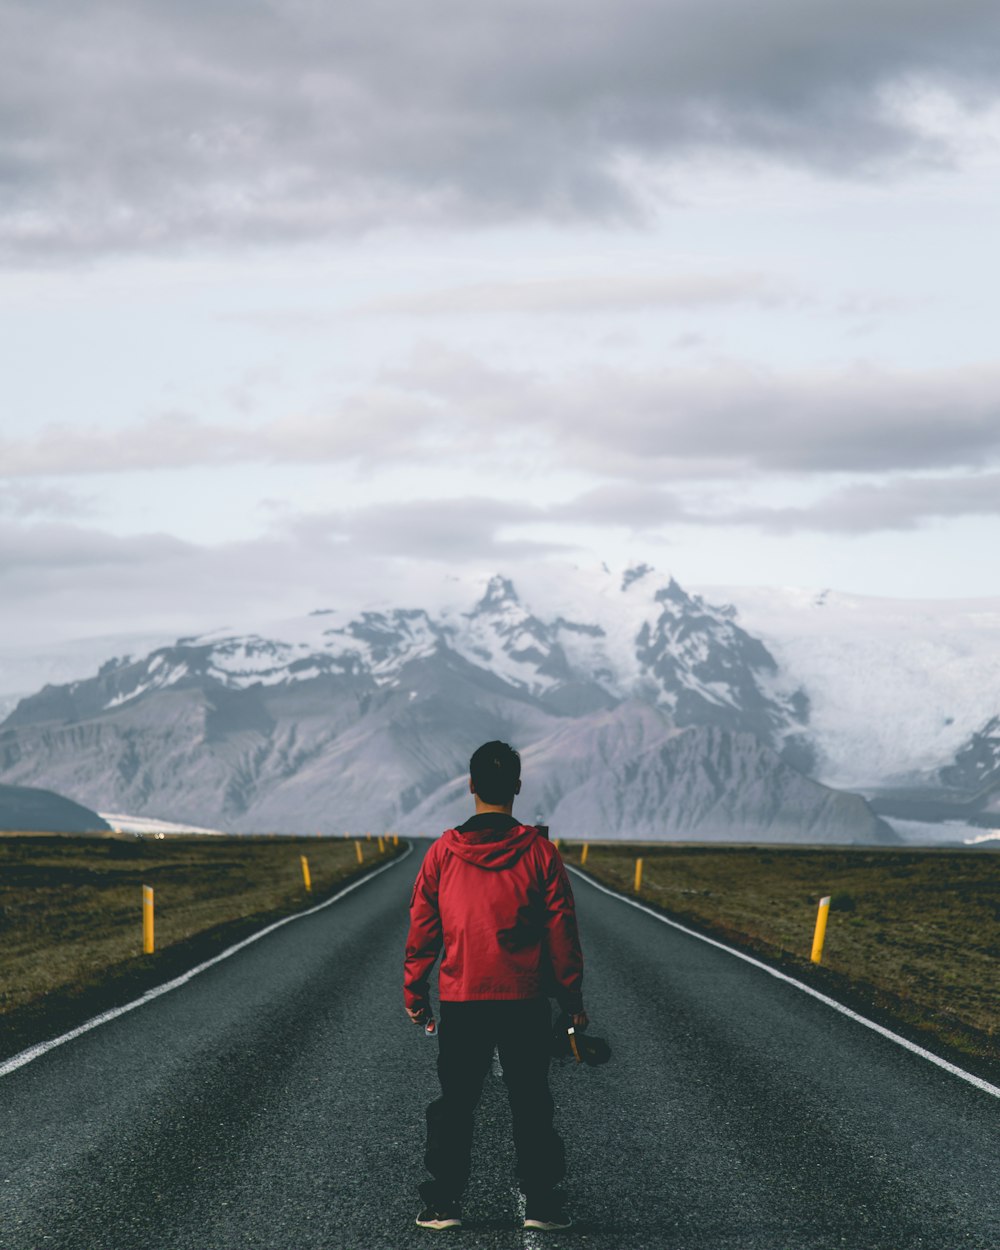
column 370, row 718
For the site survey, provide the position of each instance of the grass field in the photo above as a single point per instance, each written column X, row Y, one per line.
column 912, row 933
column 71, row 912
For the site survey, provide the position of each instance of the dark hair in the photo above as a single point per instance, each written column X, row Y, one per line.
column 495, row 770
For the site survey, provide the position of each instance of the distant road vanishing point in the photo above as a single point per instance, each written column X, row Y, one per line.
column 277, row 1098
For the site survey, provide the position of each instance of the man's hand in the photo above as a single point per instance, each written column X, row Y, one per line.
column 580, row 1020
column 418, row 1015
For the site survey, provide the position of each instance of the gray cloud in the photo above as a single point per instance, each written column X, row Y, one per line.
column 63, row 577
column 488, row 532
column 898, row 504
column 731, row 419
column 636, row 507
column 443, row 407
column 27, row 500
column 383, row 425
column 145, row 126
column 169, row 440
column 608, row 293
column 37, row 552
column 450, row 531
column 901, row 504
column 735, row 420
column 54, row 573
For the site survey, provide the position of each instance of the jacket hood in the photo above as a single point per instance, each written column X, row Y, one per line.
column 490, row 848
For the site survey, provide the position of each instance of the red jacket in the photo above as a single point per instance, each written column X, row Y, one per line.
column 495, row 895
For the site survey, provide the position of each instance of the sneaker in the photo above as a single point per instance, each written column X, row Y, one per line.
column 440, row 1217
column 547, row 1213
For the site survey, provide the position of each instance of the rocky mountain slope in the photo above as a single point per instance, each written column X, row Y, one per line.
column 645, row 709
column 976, row 769
column 628, row 773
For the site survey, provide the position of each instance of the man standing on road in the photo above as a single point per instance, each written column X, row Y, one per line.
column 495, row 896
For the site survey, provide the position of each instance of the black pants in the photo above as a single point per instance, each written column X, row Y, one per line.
column 468, row 1032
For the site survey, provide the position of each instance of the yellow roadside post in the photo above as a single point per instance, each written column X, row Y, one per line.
column 638, row 874
column 395, row 839
column 820, row 934
column 381, row 845
column 583, row 853
column 147, row 920
column 357, row 847
column 556, row 844
column 305, row 872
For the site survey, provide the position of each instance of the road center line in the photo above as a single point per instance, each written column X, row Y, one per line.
column 978, row 1082
column 42, row 1048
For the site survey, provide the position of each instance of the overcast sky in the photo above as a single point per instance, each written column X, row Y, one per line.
column 308, row 304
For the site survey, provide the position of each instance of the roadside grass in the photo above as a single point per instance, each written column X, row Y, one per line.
column 71, row 912
column 912, row 934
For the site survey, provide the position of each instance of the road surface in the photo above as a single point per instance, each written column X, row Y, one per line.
column 276, row 1101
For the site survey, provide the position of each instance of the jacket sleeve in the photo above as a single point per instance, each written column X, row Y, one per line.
column 562, row 936
column 423, row 942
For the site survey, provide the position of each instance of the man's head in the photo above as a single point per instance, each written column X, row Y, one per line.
column 495, row 775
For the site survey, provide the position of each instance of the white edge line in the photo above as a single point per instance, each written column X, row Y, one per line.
column 530, row 1238
column 42, row 1048
column 979, row 1083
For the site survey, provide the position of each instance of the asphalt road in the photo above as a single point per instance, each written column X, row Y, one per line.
column 276, row 1100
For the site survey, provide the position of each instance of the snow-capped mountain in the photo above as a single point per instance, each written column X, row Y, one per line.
column 339, row 719
column 691, row 660
column 25, row 670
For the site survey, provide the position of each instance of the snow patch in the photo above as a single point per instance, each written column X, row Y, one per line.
column 149, row 826
column 167, row 677
column 936, row 833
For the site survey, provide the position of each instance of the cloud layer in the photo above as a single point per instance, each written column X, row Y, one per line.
column 599, row 294
column 142, row 127
column 64, row 578
column 192, row 132
column 444, row 407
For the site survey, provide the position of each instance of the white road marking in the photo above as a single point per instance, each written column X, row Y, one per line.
column 978, row 1082
column 42, row 1048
